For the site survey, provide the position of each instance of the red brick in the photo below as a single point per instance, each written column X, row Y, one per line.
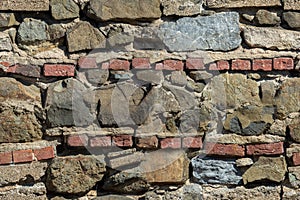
column 141, row 63
column 195, row 63
column 100, row 141
column 44, row 153
column 77, row 140
column 117, row 64
column 296, row 158
column 173, row 143
column 59, row 70
column 262, row 64
column 265, row 149
column 122, row 140
column 221, row 65
column 224, row 149
column 192, row 142
column 105, row 65
column 283, row 63
column 241, row 65
column 150, row 142
column 87, row 62
column 5, row 64
column 172, row 65
column 5, row 158
column 22, row 156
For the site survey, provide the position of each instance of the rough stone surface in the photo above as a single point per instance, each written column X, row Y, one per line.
column 32, row 30
column 35, row 191
column 66, row 9
column 211, row 171
column 97, row 76
column 7, row 20
column 266, row 168
column 216, row 32
column 241, row 4
column 74, row 174
column 5, row 42
column 271, row 38
column 25, row 5
column 242, row 162
column 181, row 7
column 292, row 19
column 294, row 176
column 290, row 193
column 150, row 76
column 291, row 5
column 294, row 128
column 265, row 17
column 84, row 36
column 131, row 10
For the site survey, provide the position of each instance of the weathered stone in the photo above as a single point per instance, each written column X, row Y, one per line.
column 32, row 30
column 132, row 10
column 84, row 36
column 65, row 104
column 5, row 42
column 290, row 193
column 74, row 174
column 112, row 197
column 294, row 176
column 271, row 38
column 208, row 170
column 97, row 76
column 181, row 7
column 25, row 5
column 292, row 19
column 268, row 90
column 124, row 161
column 294, row 128
column 266, row 168
column 7, row 20
column 179, row 78
column 211, row 192
column 65, row 9
column 265, row 17
column 278, row 128
column 150, row 76
column 242, row 162
column 36, row 191
column 119, row 39
column 200, row 75
column 221, row 32
column 56, row 31
column 241, row 4
column 291, row 5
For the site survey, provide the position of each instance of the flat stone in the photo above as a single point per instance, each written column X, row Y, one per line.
column 122, row 10
column 36, row 191
column 241, row 4
column 242, row 162
column 74, row 174
column 65, row 9
column 212, row 171
column 83, row 36
column 265, row 17
column 292, row 19
column 266, row 168
column 179, row 78
column 211, row 192
column 5, row 42
column 220, row 32
column 294, row 176
column 32, row 30
column 271, row 38
column 25, row 5
column 291, row 5
column 97, row 76
column 294, row 128
column 112, row 197
column 7, row 20
column 290, row 193
column 200, row 75
column 150, row 76
column 181, row 7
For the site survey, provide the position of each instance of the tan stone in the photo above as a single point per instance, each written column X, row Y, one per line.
column 290, row 194
column 181, row 7
column 24, row 5
column 36, row 191
column 291, row 5
column 242, row 3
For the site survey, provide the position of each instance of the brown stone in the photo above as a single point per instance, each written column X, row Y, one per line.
column 25, row 5
column 150, row 142
column 265, row 149
column 224, row 149
column 241, row 4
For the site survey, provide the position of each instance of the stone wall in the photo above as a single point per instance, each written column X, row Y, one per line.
column 149, row 99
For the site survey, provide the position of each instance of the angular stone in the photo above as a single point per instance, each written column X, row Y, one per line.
column 200, row 75
column 271, row 38
column 5, row 42
column 74, row 174
column 56, row 31
column 7, row 20
column 294, row 176
column 84, row 36
column 97, row 76
column 181, row 7
column 131, row 10
column 113, row 197
column 178, row 78
column 35, row 191
column 211, row 171
column 150, row 76
column 290, row 193
column 291, row 5
column 222, row 192
column 65, row 105
column 292, row 19
column 266, row 168
column 32, row 30
column 221, row 32
column 241, row 4
column 242, row 162
column 265, row 17
column 65, row 9
column 25, row 5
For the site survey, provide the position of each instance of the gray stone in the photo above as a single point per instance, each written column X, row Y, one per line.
column 294, row 176
column 181, row 7
column 65, row 104
column 290, row 193
column 97, row 76
column 122, row 9
column 241, row 4
column 119, row 39
column 271, row 38
column 179, row 78
column 64, row 9
column 266, row 168
column 291, row 5
column 216, row 32
column 36, row 191
column 74, row 174
column 211, row 171
column 5, row 42
column 265, row 17
column 31, row 31
column 200, row 75
column 112, row 197
column 150, row 76
column 56, row 31
column 84, row 36
column 25, row 5
column 268, row 90
column 292, row 19
column 7, row 20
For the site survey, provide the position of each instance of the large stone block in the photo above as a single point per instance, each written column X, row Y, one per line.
column 242, row 3
column 25, row 5
column 66, row 9
column 216, row 32
column 123, row 9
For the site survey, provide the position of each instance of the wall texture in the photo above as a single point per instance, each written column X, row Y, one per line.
column 149, row 99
